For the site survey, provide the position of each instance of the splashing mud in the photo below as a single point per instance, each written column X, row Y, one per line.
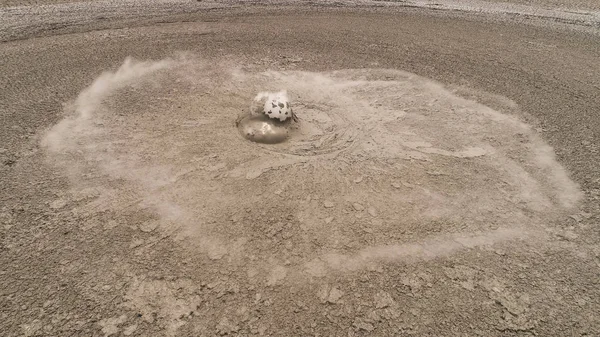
column 382, row 158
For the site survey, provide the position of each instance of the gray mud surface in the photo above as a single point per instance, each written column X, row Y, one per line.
column 442, row 179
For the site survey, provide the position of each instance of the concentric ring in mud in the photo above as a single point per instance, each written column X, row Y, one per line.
column 322, row 129
column 380, row 152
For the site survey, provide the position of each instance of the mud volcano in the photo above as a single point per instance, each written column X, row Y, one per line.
column 268, row 122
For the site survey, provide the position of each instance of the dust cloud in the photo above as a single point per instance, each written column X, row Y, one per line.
column 383, row 166
column 431, row 248
column 92, row 97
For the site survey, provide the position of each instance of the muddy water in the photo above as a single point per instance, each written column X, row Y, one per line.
column 261, row 129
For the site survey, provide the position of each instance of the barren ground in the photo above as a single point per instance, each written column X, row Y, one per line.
column 442, row 179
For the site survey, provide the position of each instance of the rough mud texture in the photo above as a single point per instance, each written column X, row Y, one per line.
column 433, row 185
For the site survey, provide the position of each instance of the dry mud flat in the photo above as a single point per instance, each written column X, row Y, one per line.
column 442, row 179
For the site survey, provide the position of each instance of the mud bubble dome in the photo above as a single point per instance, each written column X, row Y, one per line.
column 269, row 119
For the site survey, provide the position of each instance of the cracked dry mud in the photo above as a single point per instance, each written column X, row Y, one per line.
column 418, row 194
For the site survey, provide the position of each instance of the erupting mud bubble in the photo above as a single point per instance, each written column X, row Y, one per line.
column 269, row 123
column 277, row 105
